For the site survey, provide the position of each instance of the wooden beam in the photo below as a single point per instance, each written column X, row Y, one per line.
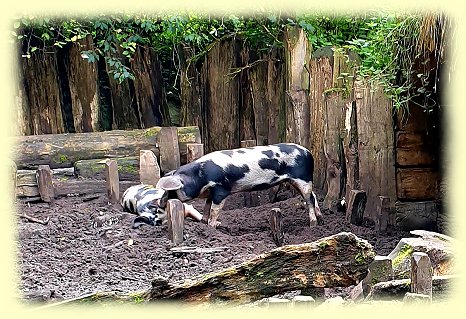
column 44, row 181
column 149, row 170
column 175, row 216
column 112, row 181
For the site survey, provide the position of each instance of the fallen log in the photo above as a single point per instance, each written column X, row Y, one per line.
column 128, row 168
column 63, row 150
column 337, row 261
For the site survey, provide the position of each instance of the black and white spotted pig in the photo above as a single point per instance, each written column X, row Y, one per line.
column 149, row 202
column 219, row 174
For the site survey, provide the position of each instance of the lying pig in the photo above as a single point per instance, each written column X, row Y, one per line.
column 219, row 174
column 149, row 203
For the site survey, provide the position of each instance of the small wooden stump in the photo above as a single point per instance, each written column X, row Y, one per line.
column 175, row 216
column 167, row 139
column 149, row 170
column 421, row 274
column 355, row 207
column 248, row 143
column 276, row 225
column 251, row 199
column 382, row 214
column 262, row 140
column 44, row 182
column 194, row 151
column 112, row 181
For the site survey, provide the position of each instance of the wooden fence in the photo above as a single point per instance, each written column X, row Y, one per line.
column 289, row 94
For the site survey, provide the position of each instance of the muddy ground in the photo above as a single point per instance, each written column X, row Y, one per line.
column 89, row 246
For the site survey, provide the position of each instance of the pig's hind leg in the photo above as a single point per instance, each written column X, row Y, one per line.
column 218, row 195
column 305, row 188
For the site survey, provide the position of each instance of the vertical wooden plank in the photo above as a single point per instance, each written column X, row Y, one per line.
column 276, row 95
column 44, row 182
column 220, row 96
column 195, row 151
column 43, row 93
column 248, row 143
column 320, row 67
column 382, row 219
column 297, row 52
column 356, row 206
column 167, row 139
column 376, row 149
column 112, row 181
column 421, row 274
column 350, row 143
column 276, row 225
column 149, row 89
column 149, row 170
column 175, row 216
column 84, row 88
column 332, row 149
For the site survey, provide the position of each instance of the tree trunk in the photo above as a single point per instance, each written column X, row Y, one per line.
column 63, row 150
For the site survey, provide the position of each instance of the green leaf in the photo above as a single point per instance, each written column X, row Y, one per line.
column 17, row 24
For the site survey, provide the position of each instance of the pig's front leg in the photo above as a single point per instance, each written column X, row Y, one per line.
column 214, row 212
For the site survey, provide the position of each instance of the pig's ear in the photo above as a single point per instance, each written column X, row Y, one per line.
column 169, row 183
column 162, row 202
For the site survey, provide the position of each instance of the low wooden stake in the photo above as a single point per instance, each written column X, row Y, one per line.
column 421, row 274
column 356, row 206
column 175, row 216
column 167, row 139
column 276, row 225
column 251, row 199
column 13, row 170
column 112, row 181
column 248, row 143
column 382, row 214
column 44, row 182
column 194, row 151
column 149, row 170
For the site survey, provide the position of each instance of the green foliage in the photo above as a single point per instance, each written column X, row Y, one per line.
column 385, row 42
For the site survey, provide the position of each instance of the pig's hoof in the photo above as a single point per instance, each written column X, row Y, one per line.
column 214, row 224
column 313, row 222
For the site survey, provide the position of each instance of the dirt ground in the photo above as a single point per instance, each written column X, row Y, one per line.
column 89, row 246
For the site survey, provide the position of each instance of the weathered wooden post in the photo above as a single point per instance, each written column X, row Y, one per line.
column 167, row 140
column 276, row 225
column 194, row 151
column 421, row 274
column 149, row 170
column 175, row 216
column 248, row 143
column 355, row 206
column 112, row 181
column 382, row 214
column 44, row 183
column 380, row 269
